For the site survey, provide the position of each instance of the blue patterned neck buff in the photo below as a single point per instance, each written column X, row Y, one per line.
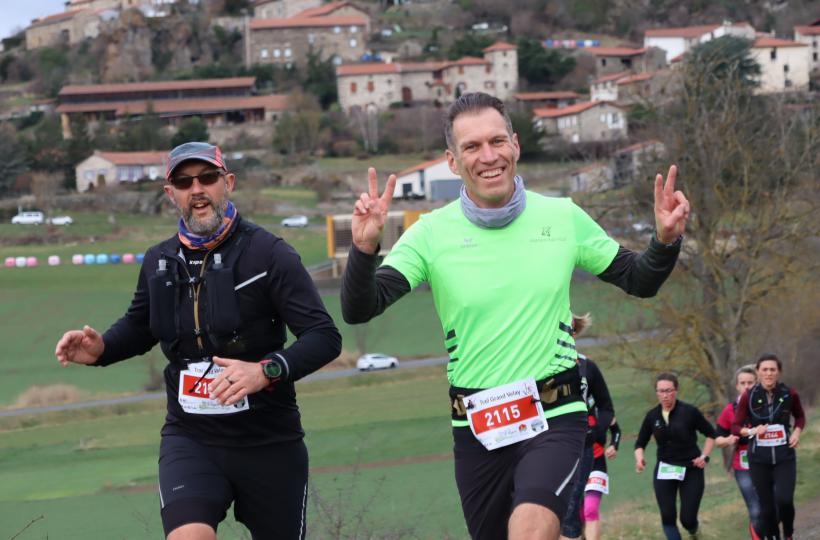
column 194, row 241
column 495, row 218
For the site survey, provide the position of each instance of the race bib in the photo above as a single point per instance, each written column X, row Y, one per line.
column 775, row 436
column 671, row 472
column 194, row 391
column 598, row 481
column 506, row 414
column 744, row 459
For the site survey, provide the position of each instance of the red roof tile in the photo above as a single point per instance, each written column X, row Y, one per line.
column 325, row 9
column 370, row 68
column 808, row 30
column 421, row 166
column 613, row 51
column 550, row 112
column 179, row 106
column 612, row 77
column 308, row 22
column 195, row 84
column 468, row 61
column 638, row 77
column 134, row 158
column 539, row 96
column 57, row 17
column 500, row 46
column 765, row 42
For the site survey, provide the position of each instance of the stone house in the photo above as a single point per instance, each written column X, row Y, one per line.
column 810, row 36
column 281, row 9
column 537, row 100
column 288, row 41
column 628, row 161
column 784, row 65
column 115, row 167
column 432, row 180
column 611, row 60
column 66, row 28
column 592, row 178
column 589, row 121
column 677, row 41
column 334, row 9
column 375, row 86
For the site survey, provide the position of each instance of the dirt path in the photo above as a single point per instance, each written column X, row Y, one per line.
column 807, row 522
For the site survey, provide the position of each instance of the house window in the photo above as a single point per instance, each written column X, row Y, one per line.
column 89, row 175
column 506, row 85
column 489, row 85
column 603, row 118
column 814, row 56
column 337, row 29
column 389, row 81
column 288, row 52
column 337, row 60
column 370, row 86
column 788, row 83
column 773, row 54
column 603, row 62
column 352, row 88
column 311, row 38
column 785, row 68
column 354, row 29
column 263, row 53
column 277, row 53
column 488, row 68
column 353, row 42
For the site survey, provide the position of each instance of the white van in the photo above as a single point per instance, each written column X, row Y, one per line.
column 28, row 218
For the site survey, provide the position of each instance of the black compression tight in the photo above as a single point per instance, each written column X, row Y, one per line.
column 774, row 485
column 691, row 492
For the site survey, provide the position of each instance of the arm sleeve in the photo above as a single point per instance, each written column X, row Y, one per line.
column 298, row 303
column 131, row 334
column 615, row 434
column 703, row 425
column 723, row 427
column 645, row 433
column 642, row 274
column 603, row 400
column 797, row 410
column 367, row 292
column 739, row 419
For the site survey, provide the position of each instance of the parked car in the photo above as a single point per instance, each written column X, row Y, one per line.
column 60, row 220
column 373, row 361
column 295, row 221
column 28, row 218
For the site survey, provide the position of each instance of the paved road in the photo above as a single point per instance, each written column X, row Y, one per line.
column 320, row 375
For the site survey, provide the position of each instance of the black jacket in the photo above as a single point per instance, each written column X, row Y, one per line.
column 678, row 441
column 273, row 292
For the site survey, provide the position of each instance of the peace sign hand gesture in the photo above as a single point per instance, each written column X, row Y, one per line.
column 370, row 213
column 671, row 208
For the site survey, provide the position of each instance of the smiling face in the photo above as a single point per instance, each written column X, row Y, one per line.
column 484, row 155
column 202, row 207
column 768, row 373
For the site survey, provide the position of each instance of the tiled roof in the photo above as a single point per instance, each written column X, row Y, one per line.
column 370, row 68
column 689, row 31
column 57, row 17
column 638, row 77
column 612, row 77
column 378, row 68
column 765, row 42
column 550, row 112
column 539, row 96
column 468, row 61
column 325, row 9
column 308, row 22
column 176, row 106
column 421, row 166
column 808, row 30
column 613, row 51
column 134, row 158
column 500, row 46
column 195, row 84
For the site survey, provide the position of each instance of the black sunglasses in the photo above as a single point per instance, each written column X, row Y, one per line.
column 206, row 178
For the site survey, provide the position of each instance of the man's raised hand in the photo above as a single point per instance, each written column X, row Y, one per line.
column 671, row 208
column 370, row 213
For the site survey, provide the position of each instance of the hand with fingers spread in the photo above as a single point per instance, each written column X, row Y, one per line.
column 370, row 213
column 79, row 347
column 237, row 380
column 671, row 208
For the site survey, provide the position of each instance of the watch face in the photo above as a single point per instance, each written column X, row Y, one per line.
column 272, row 370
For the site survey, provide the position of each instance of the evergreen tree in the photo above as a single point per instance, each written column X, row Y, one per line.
column 191, row 129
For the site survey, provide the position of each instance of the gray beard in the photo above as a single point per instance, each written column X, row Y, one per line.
column 207, row 226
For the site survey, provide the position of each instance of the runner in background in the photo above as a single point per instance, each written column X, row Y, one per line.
column 680, row 463
column 768, row 407
column 599, row 416
column 745, row 378
column 598, row 482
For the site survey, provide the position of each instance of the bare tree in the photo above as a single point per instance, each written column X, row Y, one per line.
column 44, row 187
column 748, row 166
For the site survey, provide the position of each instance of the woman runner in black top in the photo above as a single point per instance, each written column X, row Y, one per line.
column 680, row 462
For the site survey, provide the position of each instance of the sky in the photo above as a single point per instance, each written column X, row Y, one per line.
column 17, row 14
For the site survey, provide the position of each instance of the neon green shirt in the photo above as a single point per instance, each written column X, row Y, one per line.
column 503, row 294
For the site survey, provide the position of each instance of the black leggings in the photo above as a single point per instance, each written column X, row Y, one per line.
column 774, row 485
column 691, row 492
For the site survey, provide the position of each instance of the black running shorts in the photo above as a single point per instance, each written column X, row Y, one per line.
column 539, row 470
column 266, row 484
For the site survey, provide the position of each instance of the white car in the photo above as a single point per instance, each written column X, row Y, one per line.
column 373, row 361
column 28, row 218
column 60, row 220
column 295, row 221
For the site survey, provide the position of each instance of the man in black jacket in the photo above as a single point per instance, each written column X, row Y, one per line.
column 218, row 297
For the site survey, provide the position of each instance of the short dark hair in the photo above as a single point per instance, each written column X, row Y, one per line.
column 769, row 356
column 666, row 376
column 473, row 102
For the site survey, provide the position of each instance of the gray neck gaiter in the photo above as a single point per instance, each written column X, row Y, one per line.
column 495, row 218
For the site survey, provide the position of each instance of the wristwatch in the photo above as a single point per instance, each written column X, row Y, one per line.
column 271, row 369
